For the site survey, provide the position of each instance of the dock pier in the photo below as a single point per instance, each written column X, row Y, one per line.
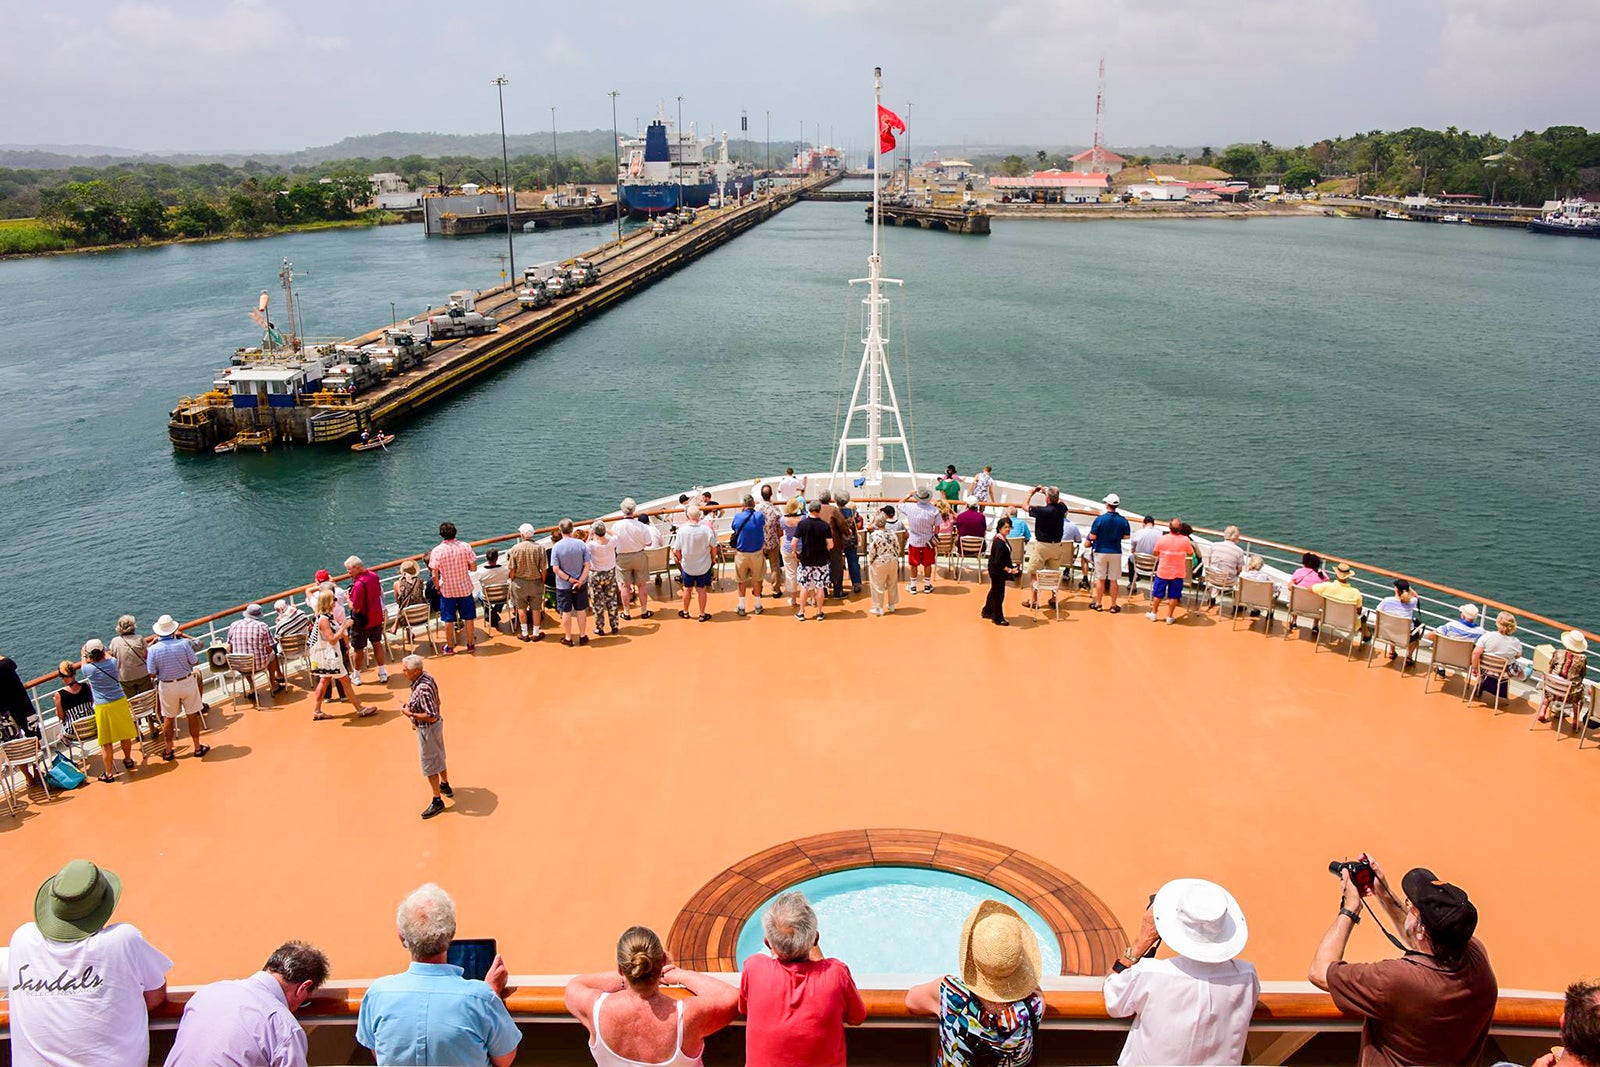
column 200, row 423
column 450, row 225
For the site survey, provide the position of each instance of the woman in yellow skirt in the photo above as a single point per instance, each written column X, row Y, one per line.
column 113, row 718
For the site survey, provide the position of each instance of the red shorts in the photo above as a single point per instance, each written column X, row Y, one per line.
column 922, row 555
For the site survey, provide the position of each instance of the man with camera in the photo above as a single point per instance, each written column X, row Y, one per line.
column 1434, row 1004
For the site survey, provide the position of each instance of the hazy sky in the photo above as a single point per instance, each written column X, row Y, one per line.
column 281, row 74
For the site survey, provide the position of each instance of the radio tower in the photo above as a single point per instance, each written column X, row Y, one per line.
column 1097, row 158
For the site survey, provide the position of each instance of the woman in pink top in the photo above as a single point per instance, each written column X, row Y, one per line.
column 632, row 1023
column 1172, row 551
column 1310, row 572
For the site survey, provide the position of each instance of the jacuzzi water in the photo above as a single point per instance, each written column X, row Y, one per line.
column 899, row 920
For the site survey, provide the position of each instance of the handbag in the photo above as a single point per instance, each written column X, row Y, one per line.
column 62, row 774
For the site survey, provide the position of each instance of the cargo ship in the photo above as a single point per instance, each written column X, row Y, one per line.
column 667, row 170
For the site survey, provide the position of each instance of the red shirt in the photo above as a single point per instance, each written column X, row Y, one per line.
column 366, row 596
column 796, row 1012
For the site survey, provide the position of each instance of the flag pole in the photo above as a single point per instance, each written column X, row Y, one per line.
column 877, row 158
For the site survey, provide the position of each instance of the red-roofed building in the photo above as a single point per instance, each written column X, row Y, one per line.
column 1054, row 186
column 1113, row 162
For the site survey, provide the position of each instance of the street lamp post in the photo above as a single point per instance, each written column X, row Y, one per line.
column 616, row 153
column 500, row 84
column 555, row 159
column 769, row 140
column 679, row 134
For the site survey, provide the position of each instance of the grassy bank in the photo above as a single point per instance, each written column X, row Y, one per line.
column 27, row 237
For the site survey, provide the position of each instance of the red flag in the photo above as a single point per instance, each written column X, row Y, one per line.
column 888, row 124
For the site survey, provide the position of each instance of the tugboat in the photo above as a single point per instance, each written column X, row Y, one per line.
column 1575, row 218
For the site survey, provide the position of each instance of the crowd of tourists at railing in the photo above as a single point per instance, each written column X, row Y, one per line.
column 81, row 988
column 780, row 537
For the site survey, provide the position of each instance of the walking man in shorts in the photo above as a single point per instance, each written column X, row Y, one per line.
column 1047, row 550
column 427, row 719
column 1172, row 563
column 526, row 564
column 1105, row 538
column 367, row 618
column 773, row 541
column 451, row 563
column 749, row 551
column 921, row 520
column 570, row 559
column 172, row 662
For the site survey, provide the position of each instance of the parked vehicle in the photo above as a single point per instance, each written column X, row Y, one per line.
column 533, row 296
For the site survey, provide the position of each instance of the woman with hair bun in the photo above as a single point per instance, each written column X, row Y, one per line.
column 631, row 1022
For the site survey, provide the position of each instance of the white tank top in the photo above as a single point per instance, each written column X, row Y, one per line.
column 604, row 1057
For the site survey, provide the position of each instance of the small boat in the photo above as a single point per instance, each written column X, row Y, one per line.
column 367, row 444
column 261, row 439
column 1396, row 215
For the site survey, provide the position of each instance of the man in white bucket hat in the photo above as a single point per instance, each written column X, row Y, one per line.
column 1195, row 1007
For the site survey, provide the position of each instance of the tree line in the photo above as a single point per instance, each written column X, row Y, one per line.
column 1555, row 163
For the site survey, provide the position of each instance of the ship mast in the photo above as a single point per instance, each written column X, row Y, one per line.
column 874, row 370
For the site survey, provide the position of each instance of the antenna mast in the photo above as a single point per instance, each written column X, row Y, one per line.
column 874, row 370
column 1097, row 157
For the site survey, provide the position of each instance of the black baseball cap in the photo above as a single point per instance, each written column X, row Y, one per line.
column 1448, row 916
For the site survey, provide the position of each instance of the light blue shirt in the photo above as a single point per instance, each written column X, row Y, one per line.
column 170, row 659
column 430, row 1014
column 1019, row 528
column 568, row 556
column 101, row 677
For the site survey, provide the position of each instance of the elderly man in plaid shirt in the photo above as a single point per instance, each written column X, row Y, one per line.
column 250, row 636
column 452, row 563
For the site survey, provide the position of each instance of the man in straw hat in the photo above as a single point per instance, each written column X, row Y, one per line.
column 1194, row 1007
column 990, row 1012
column 172, row 662
column 1432, row 1005
column 81, row 990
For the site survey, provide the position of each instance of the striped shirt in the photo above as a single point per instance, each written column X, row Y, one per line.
column 424, row 696
column 171, row 659
column 251, row 637
column 452, row 563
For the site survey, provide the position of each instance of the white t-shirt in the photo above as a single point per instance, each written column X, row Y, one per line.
column 788, row 486
column 1184, row 1011
column 697, row 542
column 81, row 1003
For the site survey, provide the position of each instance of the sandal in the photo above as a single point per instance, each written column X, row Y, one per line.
column 128, row 763
column 108, row 778
column 201, row 750
column 645, row 615
column 705, row 618
column 366, row 713
column 567, row 641
column 683, row 615
column 316, row 716
column 169, row 755
column 1115, row 609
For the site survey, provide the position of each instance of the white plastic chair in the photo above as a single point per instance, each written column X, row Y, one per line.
column 1304, row 603
column 1342, row 617
column 1254, row 593
column 1394, row 630
column 968, row 548
column 420, row 614
column 1451, row 653
column 1490, row 667
column 1047, row 581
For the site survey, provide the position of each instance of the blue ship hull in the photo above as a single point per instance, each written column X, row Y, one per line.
column 643, row 199
column 652, row 198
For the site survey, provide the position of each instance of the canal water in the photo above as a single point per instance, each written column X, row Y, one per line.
column 1417, row 396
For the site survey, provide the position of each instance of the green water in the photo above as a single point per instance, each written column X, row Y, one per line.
column 1417, row 396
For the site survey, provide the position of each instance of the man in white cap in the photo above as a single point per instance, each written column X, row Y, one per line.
column 526, row 565
column 81, row 987
column 1195, row 1007
column 1106, row 534
column 172, row 662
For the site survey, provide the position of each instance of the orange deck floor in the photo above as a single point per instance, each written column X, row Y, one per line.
column 602, row 786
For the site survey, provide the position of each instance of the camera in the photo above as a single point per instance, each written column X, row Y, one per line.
column 1360, row 873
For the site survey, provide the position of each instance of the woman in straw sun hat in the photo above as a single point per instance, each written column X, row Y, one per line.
column 1570, row 661
column 990, row 1010
column 1195, row 1006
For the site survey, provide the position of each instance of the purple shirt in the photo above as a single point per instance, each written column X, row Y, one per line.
column 243, row 1023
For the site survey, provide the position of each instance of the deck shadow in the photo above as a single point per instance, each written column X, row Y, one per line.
column 224, row 753
column 475, row 801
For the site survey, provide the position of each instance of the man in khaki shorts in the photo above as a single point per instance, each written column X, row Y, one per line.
column 526, row 565
column 748, row 535
column 172, row 662
column 633, row 537
column 1048, row 550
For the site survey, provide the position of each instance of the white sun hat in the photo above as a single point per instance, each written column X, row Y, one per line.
column 1200, row 920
